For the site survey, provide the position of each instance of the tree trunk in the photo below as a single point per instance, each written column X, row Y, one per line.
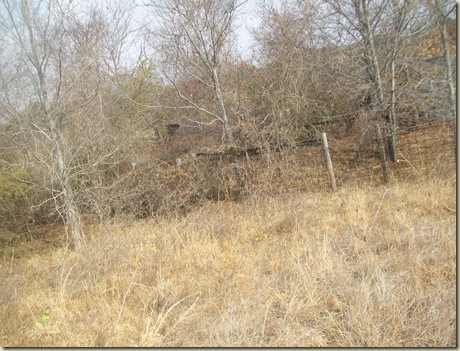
column 450, row 79
column 73, row 219
column 72, row 214
column 222, row 110
column 392, row 116
column 372, row 57
column 374, row 75
column 447, row 57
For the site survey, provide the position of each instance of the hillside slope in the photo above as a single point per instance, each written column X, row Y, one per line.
column 369, row 265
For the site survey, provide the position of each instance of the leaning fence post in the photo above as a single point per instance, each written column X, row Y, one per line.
column 383, row 158
column 328, row 162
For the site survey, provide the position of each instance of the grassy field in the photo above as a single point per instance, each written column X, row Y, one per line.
column 365, row 266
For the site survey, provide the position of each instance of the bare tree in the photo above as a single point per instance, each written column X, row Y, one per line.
column 379, row 29
column 194, row 40
column 55, row 95
column 299, row 84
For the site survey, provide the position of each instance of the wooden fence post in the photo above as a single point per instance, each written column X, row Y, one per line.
column 392, row 138
column 383, row 158
column 328, row 162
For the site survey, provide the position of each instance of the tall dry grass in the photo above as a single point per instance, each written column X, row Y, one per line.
column 364, row 266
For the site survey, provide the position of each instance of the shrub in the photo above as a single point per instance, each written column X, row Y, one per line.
column 16, row 190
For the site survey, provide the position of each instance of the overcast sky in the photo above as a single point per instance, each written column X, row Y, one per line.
column 249, row 19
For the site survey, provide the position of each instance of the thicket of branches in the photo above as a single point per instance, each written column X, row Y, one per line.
column 88, row 93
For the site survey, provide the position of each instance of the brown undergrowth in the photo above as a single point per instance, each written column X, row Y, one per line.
column 365, row 266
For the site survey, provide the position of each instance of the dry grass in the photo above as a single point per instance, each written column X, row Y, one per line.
column 360, row 267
